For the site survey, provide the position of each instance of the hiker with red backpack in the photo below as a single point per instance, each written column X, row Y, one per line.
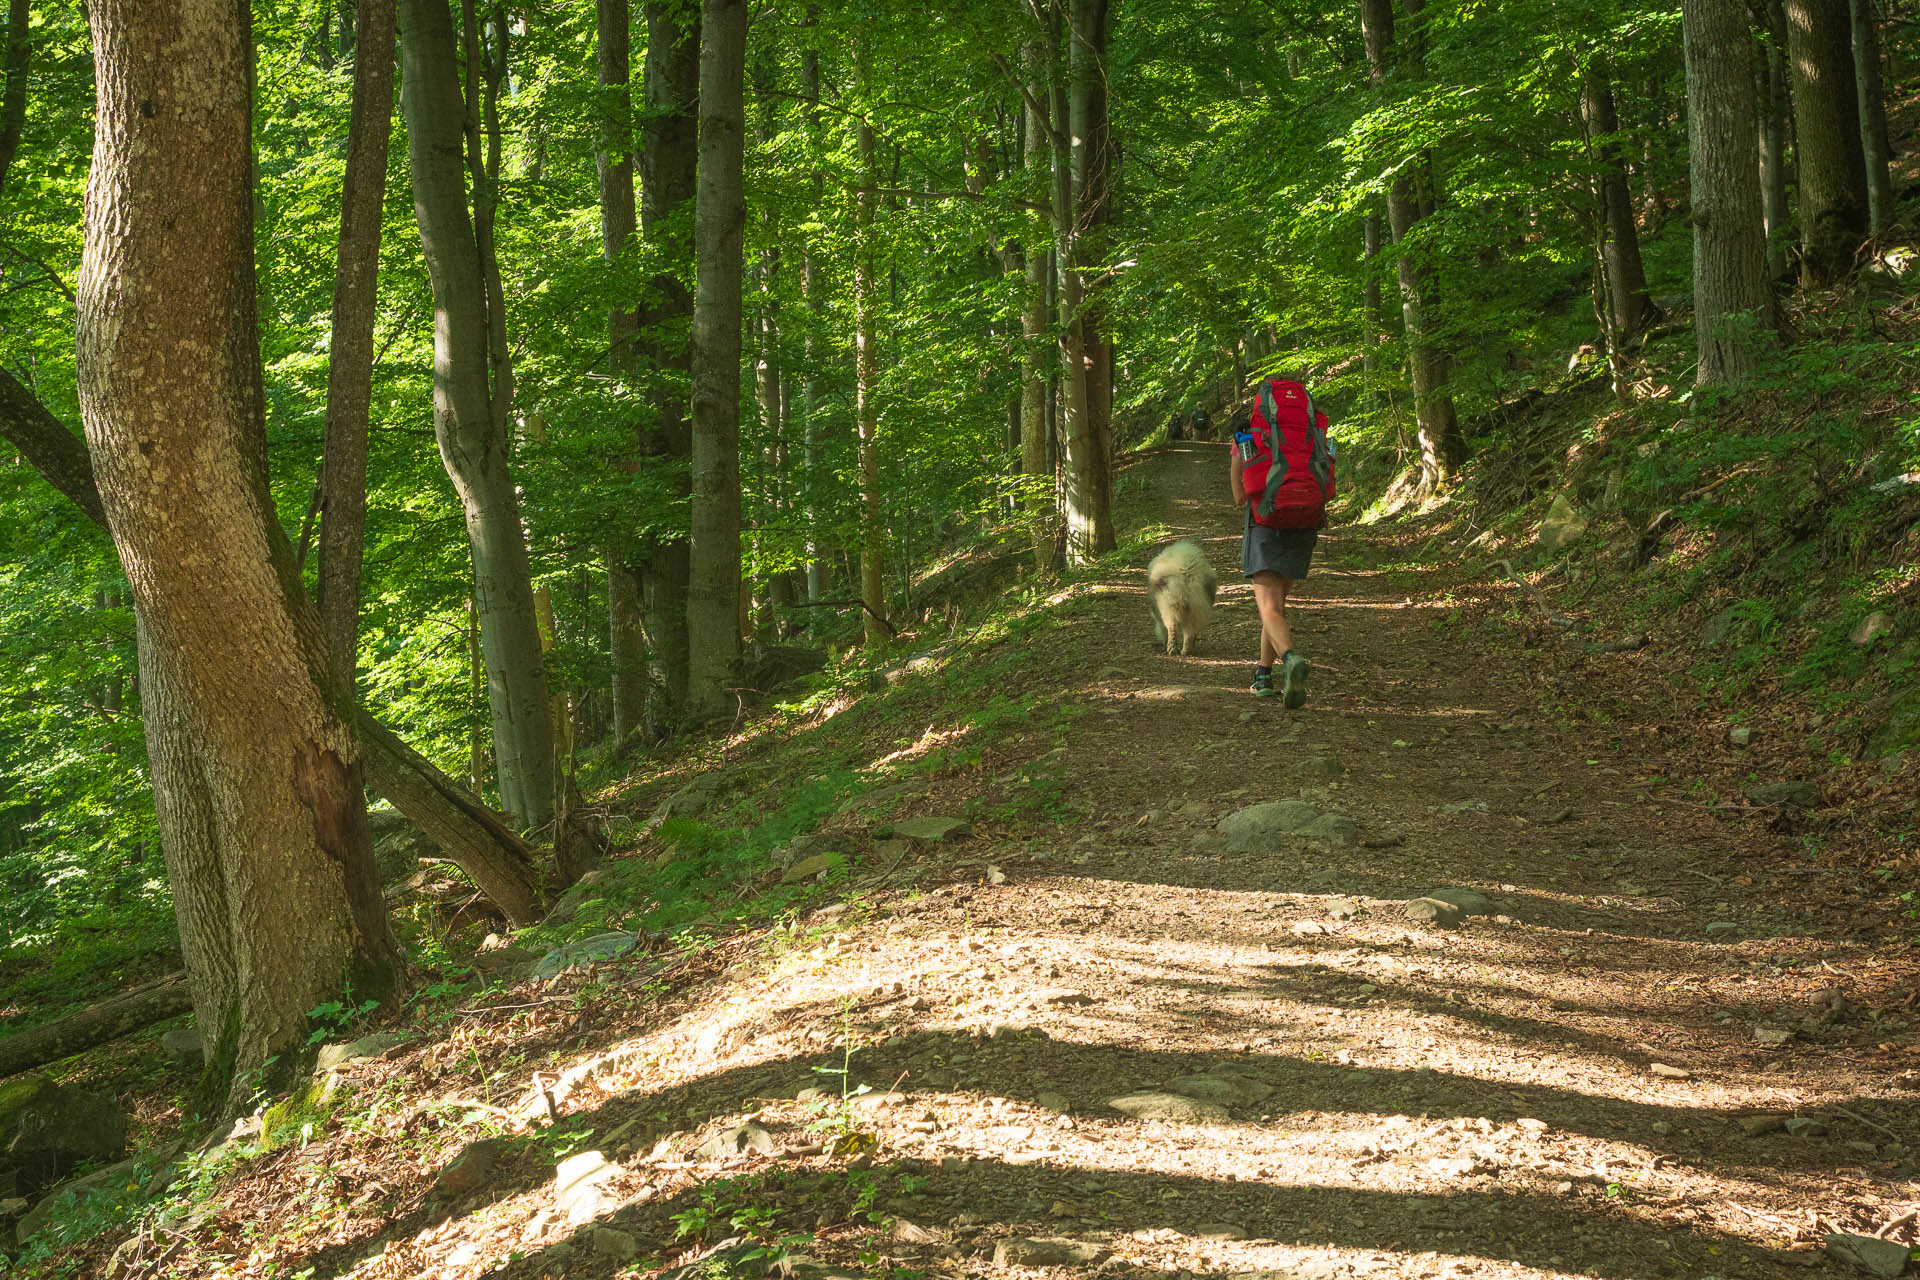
column 1282, row 473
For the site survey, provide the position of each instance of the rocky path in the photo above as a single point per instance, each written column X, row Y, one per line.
column 1532, row 1011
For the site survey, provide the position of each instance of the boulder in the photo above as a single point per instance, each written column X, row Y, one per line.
column 49, row 1128
column 1788, row 795
column 1435, row 911
column 933, row 830
column 1261, row 826
column 71, row 1193
column 598, row 949
column 1175, row 1108
column 1872, row 627
column 1561, row 527
column 373, row 1046
column 182, row 1047
column 472, row 1169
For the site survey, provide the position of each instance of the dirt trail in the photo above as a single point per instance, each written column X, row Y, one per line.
column 1579, row 1081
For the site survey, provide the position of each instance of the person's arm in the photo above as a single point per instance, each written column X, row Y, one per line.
column 1233, row 459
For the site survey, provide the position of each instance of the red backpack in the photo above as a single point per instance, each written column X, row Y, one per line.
column 1286, row 461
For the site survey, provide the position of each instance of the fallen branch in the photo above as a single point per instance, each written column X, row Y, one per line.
column 841, row 604
column 97, row 1024
column 1632, row 644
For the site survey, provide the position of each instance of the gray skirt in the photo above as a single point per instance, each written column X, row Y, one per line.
column 1287, row 552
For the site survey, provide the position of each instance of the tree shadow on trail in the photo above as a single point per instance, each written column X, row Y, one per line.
column 1509, row 1212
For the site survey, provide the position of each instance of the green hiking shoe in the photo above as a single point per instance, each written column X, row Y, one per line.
column 1262, row 683
column 1293, row 681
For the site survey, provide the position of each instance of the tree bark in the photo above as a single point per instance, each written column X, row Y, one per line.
column 1733, row 308
column 257, row 776
column 478, row 841
column 1633, row 306
column 1827, row 132
column 1076, row 487
column 13, row 96
column 1033, row 316
column 813, row 291
column 343, row 472
column 1874, row 142
column 471, row 389
column 1410, row 198
column 613, row 164
column 1092, row 175
column 1773, row 143
column 669, row 151
column 96, row 1024
column 719, row 223
column 866, row 378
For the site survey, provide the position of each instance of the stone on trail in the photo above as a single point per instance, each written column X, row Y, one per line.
column 1666, row 1072
column 1435, row 911
column 1760, row 1126
column 808, row 867
column 739, row 1139
column 1172, row 1107
column 934, row 830
column 1261, row 826
column 578, row 1186
column 1806, row 1127
column 472, row 1169
column 1470, row 901
column 1333, row 828
column 1222, row 1088
column 618, row 1245
column 1022, row 1252
column 1316, row 768
column 1788, row 795
column 598, row 949
column 373, row 1046
column 1344, row 909
column 1873, row 1256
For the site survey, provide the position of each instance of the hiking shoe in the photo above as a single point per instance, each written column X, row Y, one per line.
column 1262, row 683
column 1293, row 681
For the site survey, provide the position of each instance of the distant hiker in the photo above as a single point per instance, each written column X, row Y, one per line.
column 1201, row 423
column 1176, row 429
column 1282, row 473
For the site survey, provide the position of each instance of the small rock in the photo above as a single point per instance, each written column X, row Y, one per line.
column 1219, row 1231
column 617, row 1245
column 1831, row 1000
column 1663, row 1128
column 735, row 1141
column 1051, row 1101
column 182, row 1047
column 1806, row 1127
column 1316, row 768
column 1333, row 828
column 1788, row 795
column 1219, row 1087
column 579, row 1186
column 1871, row 628
column 1771, row 1037
column 1666, row 1072
column 1759, row 1126
column 1531, row 1125
column 470, row 1170
column 1875, row 1257
column 1173, row 1108
column 1022, row 1252
column 1434, row 911
column 1562, row 525
column 1740, row 737
column 811, row 866
column 1470, row 901
column 598, row 949
column 1306, row 928
column 995, row 875
column 934, row 830
column 1261, row 826
column 1344, row 909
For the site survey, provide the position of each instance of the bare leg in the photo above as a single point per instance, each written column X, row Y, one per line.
column 1270, row 595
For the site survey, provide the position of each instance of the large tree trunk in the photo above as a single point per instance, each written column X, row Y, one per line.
column 719, row 223
column 1874, row 143
column 1626, row 276
column 343, row 476
column 256, row 771
column 668, row 154
column 1092, row 178
column 1826, row 130
column 1410, row 198
column 1775, row 113
column 813, row 290
column 1733, row 305
column 469, row 410
column 13, row 94
column 1076, row 489
column 1374, row 309
column 613, row 164
column 473, row 836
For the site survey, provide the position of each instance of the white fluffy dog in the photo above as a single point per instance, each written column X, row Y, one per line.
column 1180, row 589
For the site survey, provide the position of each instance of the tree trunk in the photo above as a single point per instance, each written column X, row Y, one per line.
column 866, row 377
column 668, row 153
column 719, row 223
column 1627, row 278
column 1035, row 455
column 1874, row 143
column 469, row 409
column 613, row 165
column 250, row 735
column 1773, row 143
column 1092, row 176
column 343, row 475
column 1826, row 131
column 1374, row 310
column 1409, row 199
column 1076, row 487
column 13, row 95
column 813, row 291
column 473, row 836
column 1732, row 303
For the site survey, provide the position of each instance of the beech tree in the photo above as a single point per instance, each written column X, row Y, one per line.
column 257, row 776
column 1827, row 139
